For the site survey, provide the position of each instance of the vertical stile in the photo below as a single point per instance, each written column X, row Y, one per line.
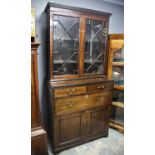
column 51, row 45
column 82, row 44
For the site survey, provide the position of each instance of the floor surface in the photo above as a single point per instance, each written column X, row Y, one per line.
column 112, row 145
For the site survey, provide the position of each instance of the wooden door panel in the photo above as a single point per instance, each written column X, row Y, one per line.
column 98, row 122
column 69, row 129
column 69, row 135
column 34, row 99
column 38, row 135
column 39, row 145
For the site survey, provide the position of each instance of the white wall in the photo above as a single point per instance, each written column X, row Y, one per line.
column 116, row 26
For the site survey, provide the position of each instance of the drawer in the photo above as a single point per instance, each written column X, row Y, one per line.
column 82, row 102
column 69, row 91
column 99, row 87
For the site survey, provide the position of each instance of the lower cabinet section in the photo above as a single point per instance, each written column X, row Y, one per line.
column 79, row 110
column 76, row 128
column 39, row 142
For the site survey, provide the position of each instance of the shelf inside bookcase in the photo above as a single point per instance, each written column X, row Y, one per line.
column 61, row 61
column 118, row 104
column 116, row 125
column 89, row 61
column 121, row 64
column 119, row 87
column 117, row 44
column 117, row 121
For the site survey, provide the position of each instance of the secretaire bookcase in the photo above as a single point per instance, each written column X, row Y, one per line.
column 80, row 94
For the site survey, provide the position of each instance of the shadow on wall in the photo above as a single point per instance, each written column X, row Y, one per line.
column 41, row 37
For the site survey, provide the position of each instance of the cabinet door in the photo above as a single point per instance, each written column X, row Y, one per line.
column 65, row 45
column 69, row 130
column 98, row 122
column 95, row 46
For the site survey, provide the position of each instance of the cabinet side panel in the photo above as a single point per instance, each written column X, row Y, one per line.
column 35, row 118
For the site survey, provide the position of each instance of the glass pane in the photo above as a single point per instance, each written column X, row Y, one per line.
column 118, row 96
column 119, row 55
column 95, row 46
column 118, row 114
column 118, row 75
column 66, row 45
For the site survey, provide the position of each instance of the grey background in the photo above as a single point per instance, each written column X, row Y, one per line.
column 116, row 25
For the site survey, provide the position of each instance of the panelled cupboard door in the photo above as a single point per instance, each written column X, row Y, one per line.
column 69, row 129
column 98, row 123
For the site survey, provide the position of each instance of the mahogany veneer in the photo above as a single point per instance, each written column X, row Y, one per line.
column 80, row 94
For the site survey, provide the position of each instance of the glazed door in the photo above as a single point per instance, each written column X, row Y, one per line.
column 65, row 31
column 69, row 129
column 96, row 32
column 98, row 123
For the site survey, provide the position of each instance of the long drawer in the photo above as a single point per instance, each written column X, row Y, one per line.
column 81, row 102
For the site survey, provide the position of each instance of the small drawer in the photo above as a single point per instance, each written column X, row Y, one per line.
column 82, row 102
column 99, row 87
column 69, row 91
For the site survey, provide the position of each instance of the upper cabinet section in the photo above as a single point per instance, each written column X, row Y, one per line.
column 76, row 41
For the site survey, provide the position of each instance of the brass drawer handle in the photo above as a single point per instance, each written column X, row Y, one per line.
column 100, row 98
column 71, row 91
column 70, row 105
column 101, row 87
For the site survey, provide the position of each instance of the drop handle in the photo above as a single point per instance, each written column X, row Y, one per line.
column 100, row 98
column 71, row 91
column 101, row 87
column 70, row 105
